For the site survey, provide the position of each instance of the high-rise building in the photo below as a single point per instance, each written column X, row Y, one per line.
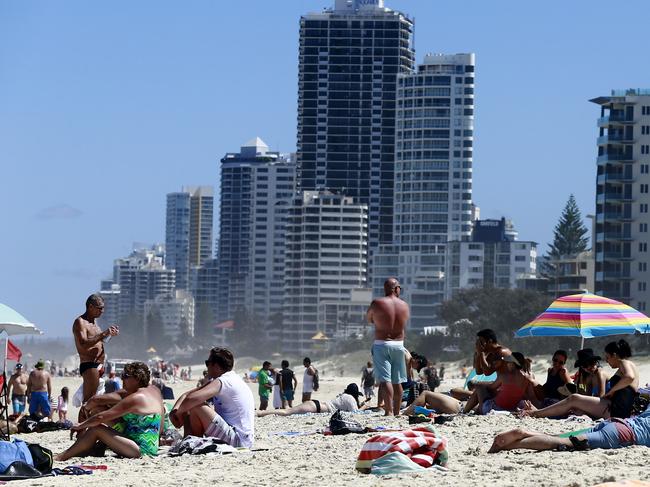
column 257, row 187
column 326, row 258
column 623, row 198
column 350, row 57
column 433, row 180
column 188, row 240
column 141, row 276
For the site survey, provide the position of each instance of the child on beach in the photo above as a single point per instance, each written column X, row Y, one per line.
column 62, row 405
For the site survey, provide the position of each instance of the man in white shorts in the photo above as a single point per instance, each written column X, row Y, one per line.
column 308, row 380
column 232, row 418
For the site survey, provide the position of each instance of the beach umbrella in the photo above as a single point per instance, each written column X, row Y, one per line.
column 13, row 323
column 587, row 316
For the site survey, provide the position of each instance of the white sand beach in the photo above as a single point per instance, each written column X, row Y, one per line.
column 329, row 460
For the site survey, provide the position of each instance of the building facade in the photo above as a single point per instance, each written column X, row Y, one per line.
column 326, row 257
column 257, row 187
column 493, row 258
column 433, row 180
column 350, row 58
column 176, row 311
column 188, row 232
column 142, row 276
column 623, row 198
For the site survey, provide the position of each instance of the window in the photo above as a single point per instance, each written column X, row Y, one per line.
column 645, row 168
column 643, row 266
column 644, row 188
column 643, row 246
column 643, row 208
column 643, row 227
column 642, row 285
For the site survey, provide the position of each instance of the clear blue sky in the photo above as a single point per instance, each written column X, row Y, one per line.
column 107, row 106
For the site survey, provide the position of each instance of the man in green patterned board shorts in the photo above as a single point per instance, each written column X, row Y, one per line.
column 389, row 315
column 264, row 385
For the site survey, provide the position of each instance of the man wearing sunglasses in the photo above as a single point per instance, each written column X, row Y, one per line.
column 231, row 420
column 88, row 338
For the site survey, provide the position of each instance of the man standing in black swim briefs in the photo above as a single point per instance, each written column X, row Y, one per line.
column 88, row 338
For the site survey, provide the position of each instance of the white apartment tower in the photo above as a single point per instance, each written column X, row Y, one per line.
column 257, row 187
column 433, row 179
column 623, row 197
column 326, row 258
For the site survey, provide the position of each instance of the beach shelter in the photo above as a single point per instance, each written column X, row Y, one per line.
column 587, row 316
column 12, row 323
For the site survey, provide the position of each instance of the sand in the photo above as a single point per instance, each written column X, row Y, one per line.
column 325, row 460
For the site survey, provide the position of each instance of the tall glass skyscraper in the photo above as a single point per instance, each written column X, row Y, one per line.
column 350, row 57
column 188, row 235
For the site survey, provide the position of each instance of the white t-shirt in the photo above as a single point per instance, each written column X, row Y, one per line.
column 344, row 402
column 235, row 404
column 307, row 382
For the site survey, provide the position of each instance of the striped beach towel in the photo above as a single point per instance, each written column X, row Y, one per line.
column 403, row 451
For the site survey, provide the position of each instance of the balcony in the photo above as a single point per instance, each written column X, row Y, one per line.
column 612, row 216
column 614, row 119
column 612, row 275
column 615, row 178
column 614, row 139
column 602, row 256
column 615, row 157
column 614, row 198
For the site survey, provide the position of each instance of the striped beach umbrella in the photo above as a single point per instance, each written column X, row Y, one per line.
column 587, row 316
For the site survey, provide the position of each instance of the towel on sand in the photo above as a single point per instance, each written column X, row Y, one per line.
column 402, row 451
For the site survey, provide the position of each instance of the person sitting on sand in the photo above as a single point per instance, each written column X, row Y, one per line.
column 590, row 380
column 616, row 403
column 347, row 401
column 615, row 433
column 556, row 377
column 232, row 418
column 507, row 393
column 136, row 420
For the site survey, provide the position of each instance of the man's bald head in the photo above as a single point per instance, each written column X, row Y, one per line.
column 392, row 287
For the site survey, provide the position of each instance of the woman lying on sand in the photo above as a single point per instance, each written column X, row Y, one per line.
column 137, row 429
column 616, row 433
column 616, row 403
column 347, row 401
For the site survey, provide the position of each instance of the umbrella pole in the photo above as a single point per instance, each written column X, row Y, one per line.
column 582, row 343
column 5, row 390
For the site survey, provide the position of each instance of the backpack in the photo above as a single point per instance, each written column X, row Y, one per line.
column 342, row 426
column 316, row 378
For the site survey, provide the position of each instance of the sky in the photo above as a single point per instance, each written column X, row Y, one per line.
column 105, row 107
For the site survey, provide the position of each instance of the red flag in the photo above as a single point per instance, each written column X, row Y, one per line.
column 13, row 352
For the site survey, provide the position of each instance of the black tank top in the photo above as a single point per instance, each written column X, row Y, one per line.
column 622, row 401
column 552, row 384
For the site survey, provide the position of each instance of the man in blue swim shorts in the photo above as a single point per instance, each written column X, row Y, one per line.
column 39, row 390
column 389, row 315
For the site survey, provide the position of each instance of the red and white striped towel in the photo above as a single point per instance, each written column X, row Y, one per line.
column 421, row 445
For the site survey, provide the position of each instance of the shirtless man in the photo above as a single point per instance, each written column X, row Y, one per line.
column 88, row 338
column 39, row 390
column 18, row 389
column 389, row 315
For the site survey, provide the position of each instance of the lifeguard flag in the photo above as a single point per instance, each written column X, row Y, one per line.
column 13, row 352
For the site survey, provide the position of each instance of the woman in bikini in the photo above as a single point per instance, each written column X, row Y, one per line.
column 137, row 420
column 616, row 403
column 590, row 380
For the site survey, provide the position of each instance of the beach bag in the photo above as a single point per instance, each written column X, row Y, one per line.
column 342, row 426
column 42, row 457
column 316, row 379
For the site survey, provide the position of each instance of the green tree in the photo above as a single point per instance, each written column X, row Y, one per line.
column 502, row 310
column 569, row 238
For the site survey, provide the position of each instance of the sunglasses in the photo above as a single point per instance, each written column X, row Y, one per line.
column 208, row 363
column 125, row 376
column 558, row 361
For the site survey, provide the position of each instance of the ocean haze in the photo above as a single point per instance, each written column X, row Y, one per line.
column 105, row 108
